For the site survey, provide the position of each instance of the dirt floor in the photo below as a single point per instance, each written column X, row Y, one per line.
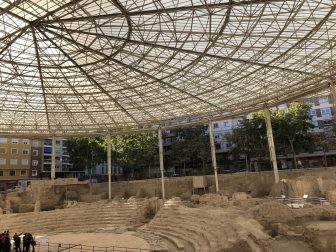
column 288, row 245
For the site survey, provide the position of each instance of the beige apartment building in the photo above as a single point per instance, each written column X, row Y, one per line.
column 20, row 159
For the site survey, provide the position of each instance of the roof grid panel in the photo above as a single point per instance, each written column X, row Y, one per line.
column 87, row 66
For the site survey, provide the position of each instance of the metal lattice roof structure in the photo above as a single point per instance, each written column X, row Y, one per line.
column 91, row 66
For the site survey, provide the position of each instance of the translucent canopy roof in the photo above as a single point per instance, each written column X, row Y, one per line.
column 91, row 66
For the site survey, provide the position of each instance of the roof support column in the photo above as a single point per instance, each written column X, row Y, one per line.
column 161, row 163
column 271, row 144
column 213, row 154
column 333, row 100
column 109, row 165
column 53, row 158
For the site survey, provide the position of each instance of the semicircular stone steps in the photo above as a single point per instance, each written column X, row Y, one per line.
column 99, row 216
column 206, row 229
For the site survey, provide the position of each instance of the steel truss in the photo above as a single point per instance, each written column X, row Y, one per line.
column 71, row 67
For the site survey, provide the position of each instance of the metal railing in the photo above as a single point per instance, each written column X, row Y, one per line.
column 60, row 247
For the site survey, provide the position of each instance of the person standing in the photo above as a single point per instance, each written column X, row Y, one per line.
column 26, row 243
column 32, row 242
column 7, row 242
column 1, row 244
column 17, row 242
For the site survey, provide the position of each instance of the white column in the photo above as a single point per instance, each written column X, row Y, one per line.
column 333, row 100
column 271, row 144
column 53, row 158
column 109, row 165
column 161, row 163
column 213, row 154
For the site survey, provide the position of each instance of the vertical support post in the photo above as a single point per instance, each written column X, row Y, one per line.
column 109, row 164
column 213, row 154
column 161, row 163
column 53, row 158
column 333, row 100
column 271, row 144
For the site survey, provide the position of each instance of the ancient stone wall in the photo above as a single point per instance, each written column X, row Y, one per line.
column 51, row 194
column 258, row 184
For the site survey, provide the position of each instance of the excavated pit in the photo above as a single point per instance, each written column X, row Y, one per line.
column 228, row 221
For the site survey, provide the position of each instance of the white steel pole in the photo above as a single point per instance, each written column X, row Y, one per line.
column 109, row 165
column 271, row 144
column 333, row 100
column 213, row 154
column 161, row 163
column 53, row 158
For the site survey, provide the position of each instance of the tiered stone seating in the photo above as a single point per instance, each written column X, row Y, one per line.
column 206, row 229
column 85, row 217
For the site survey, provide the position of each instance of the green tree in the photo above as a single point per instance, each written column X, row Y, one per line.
column 135, row 152
column 324, row 141
column 290, row 130
column 191, row 145
column 249, row 138
column 86, row 152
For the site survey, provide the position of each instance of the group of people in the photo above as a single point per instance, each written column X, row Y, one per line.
column 27, row 242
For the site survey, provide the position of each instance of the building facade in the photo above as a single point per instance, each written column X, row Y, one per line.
column 36, row 158
column 15, row 159
column 322, row 118
column 63, row 164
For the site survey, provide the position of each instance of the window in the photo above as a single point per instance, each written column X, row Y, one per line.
column 15, row 141
column 215, row 125
column 2, row 161
column 35, row 162
column 25, row 161
column 218, row 146
column 35, row 152
column 23, row 173
column 325, row 111
column 26, row 141
column 216, row 136
column 25, row 152
column 35, row 143
column 323, row 100
column 312, row 112
column 14, row 151
column 327, row 123
column 34, row 173
column 11, row 173
column 3, row 150
column 13, row 161
column 3, row 140
column 226, row 124
column 1, row 173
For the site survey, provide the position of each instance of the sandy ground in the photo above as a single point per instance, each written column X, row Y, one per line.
column 282, row 245
column 100, row 239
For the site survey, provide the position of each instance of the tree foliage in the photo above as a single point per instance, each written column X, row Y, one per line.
column 86, row 152
column 249, row 138
column 132, row 152
column 191, row 145
column 135, row 152
column 290, row 130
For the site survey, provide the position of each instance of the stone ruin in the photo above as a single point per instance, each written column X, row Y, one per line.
column 227, row 221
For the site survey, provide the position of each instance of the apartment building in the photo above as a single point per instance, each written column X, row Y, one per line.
column 322, row 118
column 15, row 160
column 36, row 158
column 63, row 165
